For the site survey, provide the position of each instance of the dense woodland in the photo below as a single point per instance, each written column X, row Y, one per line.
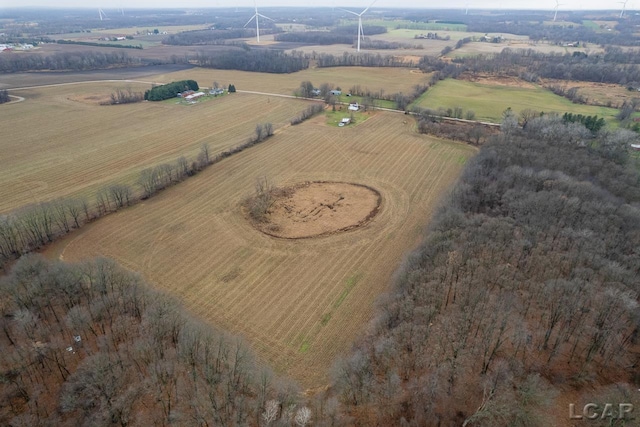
column 264, row 61
column 79, row 61
column 91, row 345
column 525, row 286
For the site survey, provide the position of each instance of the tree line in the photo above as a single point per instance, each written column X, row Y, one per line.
column 4, row 96
column 526, row 283
column 32, row 227
column 205, row 37
column 66, row 61
column 361, row 60
column 532, row 65
column 264, row 61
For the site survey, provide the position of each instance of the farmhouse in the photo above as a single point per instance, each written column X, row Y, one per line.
column 217, row 91
column 354, row 107
column 315, row 92
column 344, row 121
column 336, row 92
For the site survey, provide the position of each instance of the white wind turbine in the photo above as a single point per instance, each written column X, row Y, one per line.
column 624, row 6
column 101, row 14
column 359, row 15
column 255, row 16
column 555, row 9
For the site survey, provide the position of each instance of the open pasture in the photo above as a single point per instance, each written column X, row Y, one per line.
column 299, row 303
column 60, row 143
column 490, row 101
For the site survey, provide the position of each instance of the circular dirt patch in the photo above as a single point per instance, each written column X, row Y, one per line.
column 316, row 209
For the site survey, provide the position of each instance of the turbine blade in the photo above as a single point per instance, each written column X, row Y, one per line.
column 368, row 7
column 266, row 17
column 251, row 19
column 348, row 11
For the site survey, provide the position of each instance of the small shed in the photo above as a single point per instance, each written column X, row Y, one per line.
column 194, row 96
column 336, row 92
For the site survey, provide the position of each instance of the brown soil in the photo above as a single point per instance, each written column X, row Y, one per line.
column 314, row 209
column 101, row 99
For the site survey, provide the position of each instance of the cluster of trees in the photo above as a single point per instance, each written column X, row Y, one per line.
column 368, row 43
column 92, row 344
column 573, row 94
column 206, row 37
column 432, row 122
column 125, row 97
column 66, row 61
column 170, row 90
column 589, row 68
column 361, row 60
column 315, row 37
column 538, row 31
column 526, row 282
column 369, row 30
column 4, row 96
column 592, row 123
column 311, row 111
column 264, row 61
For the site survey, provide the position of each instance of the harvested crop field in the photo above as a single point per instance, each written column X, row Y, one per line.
column 389, row 79
column 300, row 303
column 59, row 142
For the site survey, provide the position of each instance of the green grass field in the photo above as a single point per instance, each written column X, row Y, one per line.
column 488, row 102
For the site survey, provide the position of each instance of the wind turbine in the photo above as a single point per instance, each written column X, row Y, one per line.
column 624, row 5
column 555, row 14
column 101, row 14
column 255, row 16
column 359, row 15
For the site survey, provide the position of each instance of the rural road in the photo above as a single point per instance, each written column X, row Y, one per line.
column 451, row 119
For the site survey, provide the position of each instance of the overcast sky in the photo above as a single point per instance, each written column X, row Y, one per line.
column 484, row 4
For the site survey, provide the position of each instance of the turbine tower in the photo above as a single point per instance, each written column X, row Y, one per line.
column 255, row 16
column 101, row 14
column 359, row 15
column 555, row 9
column 624, row 6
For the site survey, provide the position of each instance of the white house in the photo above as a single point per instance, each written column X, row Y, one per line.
column 344, row 121
column 354, row 107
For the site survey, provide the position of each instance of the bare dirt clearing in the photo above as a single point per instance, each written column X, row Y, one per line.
column 300, row 303
column 316, row 209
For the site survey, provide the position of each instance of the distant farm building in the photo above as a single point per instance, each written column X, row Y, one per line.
column 336, row 92
column 194, row 96
column 354, row 107
column 635, row 147
column 185, row 93
column 216, row 91
column 315, row 92
column 344, row 122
